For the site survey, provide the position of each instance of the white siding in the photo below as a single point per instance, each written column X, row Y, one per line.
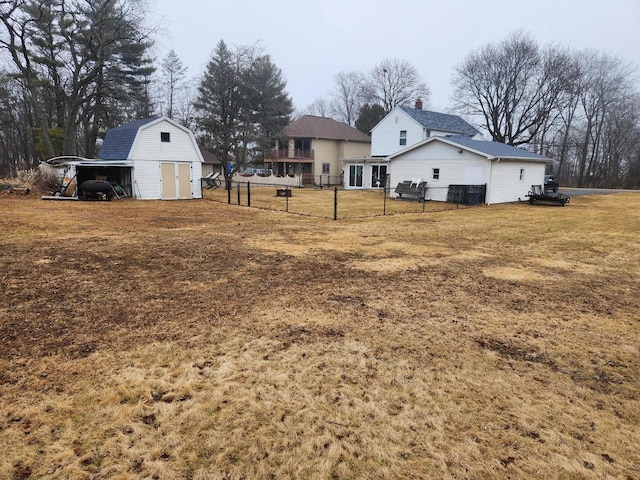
column 456, row 165
column 506, row 185
column 148, row 146
column 385, row 136
column 421, row 162
column 149, row 151
column 367, row 173
column 146, row 180
column 196, row 175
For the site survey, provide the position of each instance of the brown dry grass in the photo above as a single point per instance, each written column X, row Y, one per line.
column 199, row 340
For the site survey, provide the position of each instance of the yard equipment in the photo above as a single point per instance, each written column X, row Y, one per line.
column 212, row 180
column 100, row 190
column 415, row 187
column 537, row 194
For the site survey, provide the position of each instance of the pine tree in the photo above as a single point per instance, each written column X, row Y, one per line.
column 241, row 105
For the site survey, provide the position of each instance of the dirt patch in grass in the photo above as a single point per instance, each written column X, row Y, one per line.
column 201, row 340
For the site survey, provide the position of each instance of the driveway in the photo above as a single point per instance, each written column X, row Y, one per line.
column 572, row 192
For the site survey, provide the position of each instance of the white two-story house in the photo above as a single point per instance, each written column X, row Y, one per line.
column 398, row 130
column 405, row 126
column 446, row 152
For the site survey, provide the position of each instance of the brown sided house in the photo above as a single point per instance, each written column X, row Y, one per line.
column 315, row 147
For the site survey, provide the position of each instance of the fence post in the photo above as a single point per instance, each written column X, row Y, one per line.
column 228, row 186
column 238, row 187
column 384, row 199
column 335, row 203
column 248, row 194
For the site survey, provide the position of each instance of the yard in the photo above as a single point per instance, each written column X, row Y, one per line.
column 320, row 202
column 199, row 340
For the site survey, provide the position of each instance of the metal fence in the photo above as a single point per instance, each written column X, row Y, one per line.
column 334, row 203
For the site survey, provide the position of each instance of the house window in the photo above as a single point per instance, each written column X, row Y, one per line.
column 326, row 168
column 522, row 174
column 403, row 137
column 165, row 136
column 436, row 174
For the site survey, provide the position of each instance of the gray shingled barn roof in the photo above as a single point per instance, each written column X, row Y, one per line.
column 118, row 141
column 309, row 126
column 440, row 121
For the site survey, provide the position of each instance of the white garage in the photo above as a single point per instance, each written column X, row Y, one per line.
column 505, row 173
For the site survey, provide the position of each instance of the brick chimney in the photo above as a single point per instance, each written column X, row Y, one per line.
column 419, row 104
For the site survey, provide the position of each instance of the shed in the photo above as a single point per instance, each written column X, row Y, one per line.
column 153, row 158
column 504, row 173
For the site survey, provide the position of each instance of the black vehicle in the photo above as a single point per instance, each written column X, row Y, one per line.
column 550, row 183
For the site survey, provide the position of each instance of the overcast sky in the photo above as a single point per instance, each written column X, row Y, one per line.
column 313, row 41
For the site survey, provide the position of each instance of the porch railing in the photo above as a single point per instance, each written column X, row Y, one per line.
column 284, row 154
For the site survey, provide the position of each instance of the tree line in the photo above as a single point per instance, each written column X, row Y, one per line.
column 72, row 69
column 580, row 108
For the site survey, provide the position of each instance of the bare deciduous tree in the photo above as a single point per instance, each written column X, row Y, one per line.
column 605, row 96
column 579, row 108
column 320, row 107
column 511, row 86
column 395, row 82
column 173, row 74
column 348, row 96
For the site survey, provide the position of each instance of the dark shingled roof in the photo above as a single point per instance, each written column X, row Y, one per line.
column 118, row 141
column 309, row 126
column 492, row 150
column 440, row 121
column 495, row 149
column 207, row 156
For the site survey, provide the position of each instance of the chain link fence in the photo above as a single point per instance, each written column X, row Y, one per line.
column 327, row 202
